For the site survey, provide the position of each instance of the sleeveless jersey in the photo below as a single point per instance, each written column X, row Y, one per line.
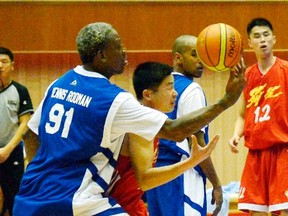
column 266, row 97
column 74, row 133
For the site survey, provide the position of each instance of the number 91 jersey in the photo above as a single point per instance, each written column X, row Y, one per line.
column 77, row 156
column 76, row 109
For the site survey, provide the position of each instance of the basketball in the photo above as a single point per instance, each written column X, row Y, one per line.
column 219, row 47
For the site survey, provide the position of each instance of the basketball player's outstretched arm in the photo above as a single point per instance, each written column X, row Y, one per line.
column 141, row 153
column 188, row 124
column 239, row 127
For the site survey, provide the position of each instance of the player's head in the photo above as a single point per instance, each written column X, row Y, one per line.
column 261, row 37
column 100, row 47
column 154, row 86
column 258, row 22
column 185, row 59
column 6, row 65
column 5, row 51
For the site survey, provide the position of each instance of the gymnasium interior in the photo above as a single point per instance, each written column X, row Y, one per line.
column 42, row 33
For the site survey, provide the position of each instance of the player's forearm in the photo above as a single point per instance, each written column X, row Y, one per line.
column 157, row 176
column 210, row 172
column 17, row 138
column 207, row 165
column 239, row 127
column 186, row 125
column 239, row 124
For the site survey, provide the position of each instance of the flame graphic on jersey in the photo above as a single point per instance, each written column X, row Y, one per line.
column 257, row 93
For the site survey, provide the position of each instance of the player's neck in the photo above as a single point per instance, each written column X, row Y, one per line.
column 264, row 65
column 4, row 84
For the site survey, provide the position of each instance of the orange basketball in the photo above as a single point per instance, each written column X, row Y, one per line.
column 219, row 47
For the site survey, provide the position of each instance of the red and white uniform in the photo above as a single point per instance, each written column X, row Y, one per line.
column 264, row 183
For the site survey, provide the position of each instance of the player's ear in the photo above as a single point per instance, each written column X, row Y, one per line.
column 101, row 55
column 274, row 39
column 147, row 94
column 12, row 65
column 177, row 57
column 249, row 42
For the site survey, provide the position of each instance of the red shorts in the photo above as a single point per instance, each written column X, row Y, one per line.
column 138, row 209
column 264, row 183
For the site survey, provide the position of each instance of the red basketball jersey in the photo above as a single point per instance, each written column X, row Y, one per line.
column 266, row 96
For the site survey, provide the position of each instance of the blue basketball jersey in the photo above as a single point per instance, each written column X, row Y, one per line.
column 76, row 155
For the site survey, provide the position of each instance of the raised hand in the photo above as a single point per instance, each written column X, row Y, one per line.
column 235, row 84
column 198, row 153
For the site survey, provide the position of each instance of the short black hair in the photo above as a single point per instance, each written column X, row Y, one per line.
column 258, row 22
column 149, row 75
column 8, row 52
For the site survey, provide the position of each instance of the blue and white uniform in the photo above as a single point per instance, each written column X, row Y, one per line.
column 184, row 195
column 82, row 121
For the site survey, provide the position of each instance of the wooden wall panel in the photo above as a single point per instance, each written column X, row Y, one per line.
column 142, row 25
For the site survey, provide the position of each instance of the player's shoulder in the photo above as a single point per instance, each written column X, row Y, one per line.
column 194, row 86
column 251, row 68
column 20, row 87
column 283, row 63
column 17, row 84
